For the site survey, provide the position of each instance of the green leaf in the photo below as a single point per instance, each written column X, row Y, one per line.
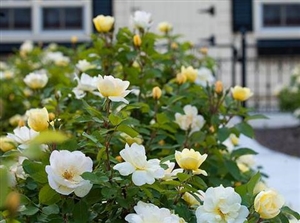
column 223, row 134
column 48, row 196
column 35, row 170
column 94, row 179
column 3, row 185
column 242, row 151
column 128, row 130
column 93, row 138
column 252, row 182
column 30, row 210
column 80, row 212
column 162, row 118
column 245, row 129
column 46, row 137
column 287, row 210
column 115, row 120
column 233, row 169
column 51, row 209
column 257, row 116
column 183, row 176
column 171, row 182
column 91, row 110
column 283, row 218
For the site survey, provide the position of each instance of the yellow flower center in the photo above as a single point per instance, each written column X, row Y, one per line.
column 68, row 175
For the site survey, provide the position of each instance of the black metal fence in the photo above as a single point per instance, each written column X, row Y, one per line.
column 265, row 76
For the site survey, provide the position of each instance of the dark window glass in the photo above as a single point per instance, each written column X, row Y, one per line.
column 271, row 15
column 293, row 15
column 281, row 15
column 15, row 18
column 63, row 18
column 22, row 18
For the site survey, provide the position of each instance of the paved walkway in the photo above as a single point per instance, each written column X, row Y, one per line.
column 283, row 170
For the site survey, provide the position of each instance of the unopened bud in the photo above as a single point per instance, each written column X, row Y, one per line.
column 203, row 50
column 218, row 87
column 137, row 40
column 74, row 39
column 51, row 116
column 174, row 46
column 212, row 129
column 12, row 202
column 180, row 78
column 21, row 123
column 156, row 92
column 119, row 158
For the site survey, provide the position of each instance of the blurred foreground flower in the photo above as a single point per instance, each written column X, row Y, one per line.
column 6, row 143
column 221, row 205
column 113, row 88
column 64, row 172
column 143, row 171
column 146, row 213
column 165, row 27
column 268, row 204
column 191, row 160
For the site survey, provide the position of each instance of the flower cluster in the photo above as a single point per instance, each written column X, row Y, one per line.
column 121, row 130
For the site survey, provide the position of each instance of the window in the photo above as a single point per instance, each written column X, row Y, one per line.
column 45, row 20
column 281, row 15
column 277, row 19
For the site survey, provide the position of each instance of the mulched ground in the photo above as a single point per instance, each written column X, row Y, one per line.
column 285, row 140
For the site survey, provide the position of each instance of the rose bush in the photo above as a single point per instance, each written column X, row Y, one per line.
column 134, row 124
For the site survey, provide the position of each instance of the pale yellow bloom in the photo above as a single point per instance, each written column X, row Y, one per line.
column 241, row 93
column 6, row 143
column 174, row 45
column 74, row 39
column 190, row 73
column 38, row 119
column 268, row 204
column 191, row 200
column 156, row 92
column 165, row 27
column 113, row 88
column 260, row 186
column 137, row 41
column 189, row 159
column 180, row 78
column 103, row 23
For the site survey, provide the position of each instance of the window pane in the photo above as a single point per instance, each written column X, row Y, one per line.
column 51, row 18
column 73, row 18
column 271, row 15
column 22, row 18
column 4, row 18
column 292, row 15
column 15, row 18
column 63, row 18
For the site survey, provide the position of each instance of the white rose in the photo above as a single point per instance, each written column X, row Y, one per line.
column 36, row 80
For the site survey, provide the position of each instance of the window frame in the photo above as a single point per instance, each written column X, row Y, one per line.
column 37, row 33
column 272, row 32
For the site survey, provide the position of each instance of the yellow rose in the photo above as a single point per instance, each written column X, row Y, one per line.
column 190, row 73
column 191, row 200
column 241, row 93
column 137, row 40
column 156, row 92
column 38, row 119
column 180, row 78
column 165, row 27
column 103, row 23
column 234, row 139
column 260, row 186
column 189, row 159
column 268, row 204
column 74, row 39
column 6, row 144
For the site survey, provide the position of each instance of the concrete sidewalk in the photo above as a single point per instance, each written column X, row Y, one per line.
column 283, row 170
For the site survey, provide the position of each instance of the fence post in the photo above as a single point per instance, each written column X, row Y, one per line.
column 243, row 60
